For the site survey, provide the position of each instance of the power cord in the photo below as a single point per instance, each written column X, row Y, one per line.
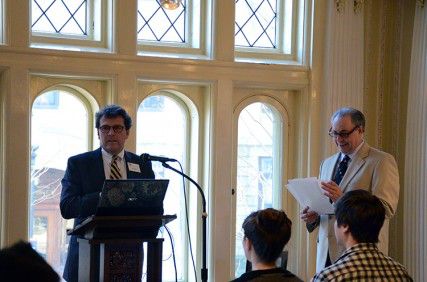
column 173, row 252
column 188, row 225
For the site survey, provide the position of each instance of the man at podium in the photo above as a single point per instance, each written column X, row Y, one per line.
column 85, row 174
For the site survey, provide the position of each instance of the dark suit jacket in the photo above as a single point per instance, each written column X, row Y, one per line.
column 81, row 185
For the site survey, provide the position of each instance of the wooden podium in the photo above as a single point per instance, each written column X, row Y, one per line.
column 111, row 247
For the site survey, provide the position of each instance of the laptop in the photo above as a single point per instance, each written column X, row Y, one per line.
column 132, row 197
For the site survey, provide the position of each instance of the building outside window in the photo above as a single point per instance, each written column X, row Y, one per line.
column 257, row 153
column 162, row 130
column 59, row 129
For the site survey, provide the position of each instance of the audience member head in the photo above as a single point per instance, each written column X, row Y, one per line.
column 113, row 111
column 21, row 262
column 361, row 214
column 268, row 231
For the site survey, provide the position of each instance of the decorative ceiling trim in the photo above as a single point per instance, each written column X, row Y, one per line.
column 357, row 6
column 339, row 5
column 421, row 3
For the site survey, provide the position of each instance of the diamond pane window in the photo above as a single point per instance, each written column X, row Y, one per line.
column 68, row 17
column 256, row 22
column 156, row 23
column 270, row 30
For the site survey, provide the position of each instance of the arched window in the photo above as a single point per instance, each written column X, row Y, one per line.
column 59, row 129
column 258, row 167
column 164, row 128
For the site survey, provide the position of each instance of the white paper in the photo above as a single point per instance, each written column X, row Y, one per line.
column 308, row 193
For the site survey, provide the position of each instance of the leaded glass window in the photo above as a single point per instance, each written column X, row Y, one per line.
column 156, row 23
column 71, row 24
column 60, row 17
column 256, row 22
column 170, row 32
column 269, row 30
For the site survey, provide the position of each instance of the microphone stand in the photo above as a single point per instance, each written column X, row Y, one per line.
column 204, row 270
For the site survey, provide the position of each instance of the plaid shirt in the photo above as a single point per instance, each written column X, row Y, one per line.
column 364, row 262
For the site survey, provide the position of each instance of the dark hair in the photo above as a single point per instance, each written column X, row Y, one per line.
column 21, row 262
column 357, row 117
column 269, row 230
column 112, row 111
column 363, row 213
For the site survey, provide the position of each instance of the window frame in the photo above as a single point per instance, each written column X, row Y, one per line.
column 300, row 10
column 279, row 176
column 90, row 106
column 196, row 47
column 186, row 99
column 99, row 23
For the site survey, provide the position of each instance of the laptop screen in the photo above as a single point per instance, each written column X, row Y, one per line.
column 132, row 197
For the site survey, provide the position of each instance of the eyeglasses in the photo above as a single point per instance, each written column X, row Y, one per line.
column 335, row 134
column 116, row 128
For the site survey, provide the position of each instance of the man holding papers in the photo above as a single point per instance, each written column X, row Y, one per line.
column 355, row 166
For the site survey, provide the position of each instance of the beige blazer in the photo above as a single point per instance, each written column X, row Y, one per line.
column 372, row 170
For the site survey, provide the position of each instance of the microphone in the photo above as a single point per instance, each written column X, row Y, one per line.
column 148, row 157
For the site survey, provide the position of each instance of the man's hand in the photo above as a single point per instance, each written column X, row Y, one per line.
column 331, row 190
column 308, row 216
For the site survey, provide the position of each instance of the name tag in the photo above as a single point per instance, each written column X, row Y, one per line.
column 134, row 167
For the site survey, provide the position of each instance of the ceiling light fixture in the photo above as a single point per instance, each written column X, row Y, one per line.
column 170, row 4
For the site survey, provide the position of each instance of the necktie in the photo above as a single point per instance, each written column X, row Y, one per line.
column 115, row 170
column 342, row 168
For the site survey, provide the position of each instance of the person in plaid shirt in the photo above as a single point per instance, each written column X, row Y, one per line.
column 359, row 218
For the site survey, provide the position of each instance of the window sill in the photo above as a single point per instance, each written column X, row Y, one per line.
column 61, row 47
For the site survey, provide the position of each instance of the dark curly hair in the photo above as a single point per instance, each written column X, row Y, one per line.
column 112, row 111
